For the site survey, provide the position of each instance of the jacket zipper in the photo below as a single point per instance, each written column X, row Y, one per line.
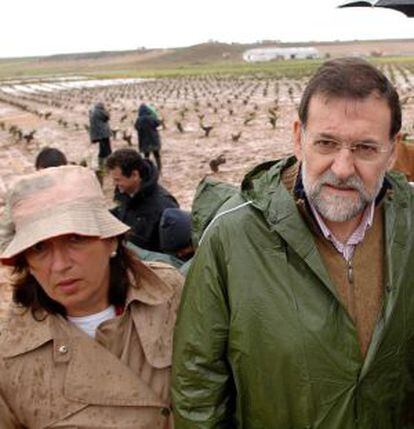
column 351, row 301
column 350, row 273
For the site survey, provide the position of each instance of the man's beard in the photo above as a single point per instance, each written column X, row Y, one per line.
column 339, row 208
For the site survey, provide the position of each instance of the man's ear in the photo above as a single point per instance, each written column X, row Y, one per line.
column 393, row 156
column 297, row 139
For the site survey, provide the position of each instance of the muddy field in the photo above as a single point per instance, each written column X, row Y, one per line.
column 245, row 120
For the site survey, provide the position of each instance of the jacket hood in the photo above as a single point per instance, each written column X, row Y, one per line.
column 99, row 106
column 144, row 110
column 175, row 229
column 256, row 183
column 150, row 181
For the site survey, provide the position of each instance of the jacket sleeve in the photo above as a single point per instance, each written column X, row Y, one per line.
column 136, row 124
column 7, row 418
column 202, row 384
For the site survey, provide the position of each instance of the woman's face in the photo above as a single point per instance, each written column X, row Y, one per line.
column 74, row 271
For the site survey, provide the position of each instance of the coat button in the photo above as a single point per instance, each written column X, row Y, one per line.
column 63, row 350
column 165, row 411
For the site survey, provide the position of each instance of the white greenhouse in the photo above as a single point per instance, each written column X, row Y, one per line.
column 269, row 54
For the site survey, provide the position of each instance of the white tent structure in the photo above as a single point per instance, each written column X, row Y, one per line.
column 268, row 54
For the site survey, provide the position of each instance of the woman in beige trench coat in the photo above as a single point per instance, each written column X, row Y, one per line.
column 88, row 340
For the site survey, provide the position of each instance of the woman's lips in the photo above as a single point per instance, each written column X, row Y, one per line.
column 68, row 286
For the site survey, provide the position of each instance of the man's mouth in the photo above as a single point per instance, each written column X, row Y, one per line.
column 339, row 188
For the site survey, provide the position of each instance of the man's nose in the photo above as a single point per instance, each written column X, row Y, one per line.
column 343, row 164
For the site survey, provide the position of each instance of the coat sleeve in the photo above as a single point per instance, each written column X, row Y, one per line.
column 7, row 419
column 202, row 384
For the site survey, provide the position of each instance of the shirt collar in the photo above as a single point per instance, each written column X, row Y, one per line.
column 357, row 236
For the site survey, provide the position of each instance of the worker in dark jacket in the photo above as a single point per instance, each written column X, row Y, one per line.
column 148, row 136
column 141, row 200
column 100, row 132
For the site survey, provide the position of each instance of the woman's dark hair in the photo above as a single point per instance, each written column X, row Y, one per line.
column 352, row 78
column 28, row 293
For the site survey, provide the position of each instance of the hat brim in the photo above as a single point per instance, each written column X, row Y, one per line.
column 81, row 220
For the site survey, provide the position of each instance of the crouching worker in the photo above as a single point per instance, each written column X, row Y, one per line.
column 175, row 236
column 87, row 343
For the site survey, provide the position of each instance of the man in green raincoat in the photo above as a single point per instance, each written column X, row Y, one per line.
column 298, row 310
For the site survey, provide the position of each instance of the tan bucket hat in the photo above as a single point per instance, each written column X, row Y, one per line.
column 52, row 202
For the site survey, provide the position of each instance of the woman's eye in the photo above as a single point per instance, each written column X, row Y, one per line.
column 38, row 248
column 75, row 238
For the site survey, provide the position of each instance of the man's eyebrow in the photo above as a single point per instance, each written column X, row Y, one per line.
column 325, row 136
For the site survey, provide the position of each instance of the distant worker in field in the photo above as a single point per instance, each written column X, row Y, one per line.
column 141, row 199
column 148, row 137
column 50, row 157
column 100, row 132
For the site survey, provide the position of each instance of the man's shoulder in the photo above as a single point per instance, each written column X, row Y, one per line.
column 163, row 194
column 401, row 189
column 234, row 214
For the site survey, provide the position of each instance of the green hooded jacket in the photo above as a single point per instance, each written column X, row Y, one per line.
column 262, row 340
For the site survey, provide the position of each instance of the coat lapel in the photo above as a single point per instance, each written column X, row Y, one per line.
column 155, row 316
column 107, row 382
column 264, row 188
column 22, row 335
column 397, row 229
column 284, row 218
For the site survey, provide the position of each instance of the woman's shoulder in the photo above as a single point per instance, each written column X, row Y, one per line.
column 155, row 283
column 167, row 273
column 170, row 276
column 22, row 332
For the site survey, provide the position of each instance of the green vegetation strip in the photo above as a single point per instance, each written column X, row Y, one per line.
column 291, row 69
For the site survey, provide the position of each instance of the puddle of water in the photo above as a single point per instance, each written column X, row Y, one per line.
column 16, row 87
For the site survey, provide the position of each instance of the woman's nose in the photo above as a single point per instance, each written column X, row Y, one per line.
column 59, row 257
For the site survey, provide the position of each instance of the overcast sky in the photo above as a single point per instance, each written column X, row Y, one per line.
column 45, row 27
